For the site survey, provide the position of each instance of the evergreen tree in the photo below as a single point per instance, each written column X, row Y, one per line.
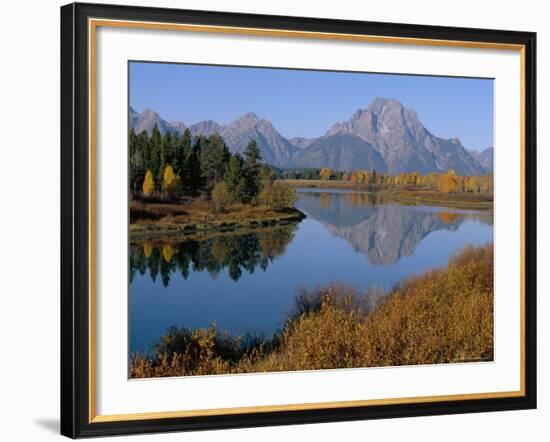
column 136, row 162
column 182, row 155
column 157, row 156
column 132, row 140
column 175, row 147
column 234, row 177
column 144, row 144
column 251, row 171
column 193, row 166
column 214, row 158
column 167, row 150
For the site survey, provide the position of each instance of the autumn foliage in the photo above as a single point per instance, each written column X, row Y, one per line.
column 148, row 184
column 448, row 182
column 324, row 173
column 171, row 183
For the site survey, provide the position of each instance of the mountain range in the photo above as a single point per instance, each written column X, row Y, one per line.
column 386, row 136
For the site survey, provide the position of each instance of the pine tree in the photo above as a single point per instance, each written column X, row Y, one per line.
column 145, row 146
column 251, row 171
column 167, row 149
column 181, row 161
column 156, row 163
column 234, row 177
column 132, row 141
column 214, row 158
column 193, row 167
column 136, row 162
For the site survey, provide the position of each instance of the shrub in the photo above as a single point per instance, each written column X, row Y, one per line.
column 277, row 195
column 221, row 197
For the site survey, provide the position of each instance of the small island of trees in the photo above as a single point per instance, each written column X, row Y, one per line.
column 189, row 183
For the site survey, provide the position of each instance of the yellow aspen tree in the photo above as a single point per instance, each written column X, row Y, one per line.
column 170, row 181
column 148, row 184
column 147, row 249
column 167, row 253
column 324, row 173
column 448, row 182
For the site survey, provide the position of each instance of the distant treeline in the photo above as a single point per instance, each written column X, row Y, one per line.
column 448, row 182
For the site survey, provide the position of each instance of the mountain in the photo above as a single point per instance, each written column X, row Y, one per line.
column 485, row 158
column 385, row 136
column 300, row 142
column 206, row 128
column 134, row 117
column 451, row 154
column 275, row 148
column 178, row 126
column 340, row 151
column 146, row 120
column 403, row 142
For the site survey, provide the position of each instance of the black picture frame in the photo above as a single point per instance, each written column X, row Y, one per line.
column 75, row 195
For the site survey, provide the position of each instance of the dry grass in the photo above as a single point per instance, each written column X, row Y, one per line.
column 323, row 184
column 195, row 215
column 463, row 199
column 442, row 316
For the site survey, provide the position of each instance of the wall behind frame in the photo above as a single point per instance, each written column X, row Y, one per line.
column 29, row 226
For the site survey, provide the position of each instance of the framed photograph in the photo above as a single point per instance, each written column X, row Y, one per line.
column 274, row 220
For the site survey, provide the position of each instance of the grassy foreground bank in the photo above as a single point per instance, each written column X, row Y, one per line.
column 441, row 316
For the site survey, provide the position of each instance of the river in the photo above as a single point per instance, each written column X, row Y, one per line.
column 246, row 283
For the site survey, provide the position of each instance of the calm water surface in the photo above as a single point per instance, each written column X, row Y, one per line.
column 247, row 283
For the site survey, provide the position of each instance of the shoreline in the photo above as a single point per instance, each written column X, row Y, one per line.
column 193, row 229
column 412, row 197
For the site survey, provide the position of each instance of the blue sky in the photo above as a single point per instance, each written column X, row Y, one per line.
column 306, row 103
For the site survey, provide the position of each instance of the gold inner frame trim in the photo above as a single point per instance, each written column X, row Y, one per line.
column 93, row 24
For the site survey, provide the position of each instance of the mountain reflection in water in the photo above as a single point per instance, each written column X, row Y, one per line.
column 379, row 228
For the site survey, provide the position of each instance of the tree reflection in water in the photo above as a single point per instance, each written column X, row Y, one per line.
column 237, row 253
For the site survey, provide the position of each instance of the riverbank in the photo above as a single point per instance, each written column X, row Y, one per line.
column 406, row 195
column 442, row 316
column 194, row 217
column 432, row 198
